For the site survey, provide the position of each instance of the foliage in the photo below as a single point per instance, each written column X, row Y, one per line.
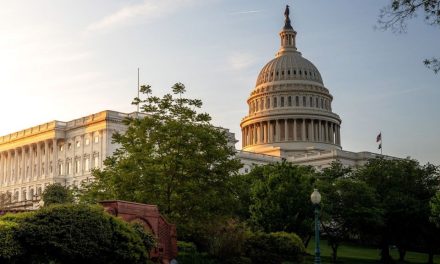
column 403, row 188
column 349, row 207
column 74, row 234
column 173, row 157
column 274, row 248
column 9, row 246
column 226, row 240
column 188, row 253
column 57, row 194
column 280, row 198
column 395, row 16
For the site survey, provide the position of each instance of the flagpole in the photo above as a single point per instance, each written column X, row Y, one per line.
column 138, row 91
column 381, row 143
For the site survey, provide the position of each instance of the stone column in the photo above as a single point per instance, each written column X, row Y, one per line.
column 278, row 130
column 294, row 130
column 303, row 132
column 270, row 131
column 1, row 168
column 286, row 129
column 15, row 166
column 46, row 159
column 312, row 129
column 55, row 171
column 23, row 164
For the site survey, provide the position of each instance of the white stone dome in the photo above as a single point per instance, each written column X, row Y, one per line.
column 289, row 66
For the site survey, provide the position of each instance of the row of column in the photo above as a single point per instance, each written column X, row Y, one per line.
column 27, row 163
column 280, row 130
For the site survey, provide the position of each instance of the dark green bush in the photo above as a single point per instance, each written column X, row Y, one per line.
column 72, row 234
column 274, row 248
column 9, row 246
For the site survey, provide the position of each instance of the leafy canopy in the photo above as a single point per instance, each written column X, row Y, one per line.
column 170, row 155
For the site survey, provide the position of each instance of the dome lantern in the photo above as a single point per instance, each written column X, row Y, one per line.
column 287, row 35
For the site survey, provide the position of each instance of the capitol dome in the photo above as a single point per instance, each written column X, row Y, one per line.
column 290, row 108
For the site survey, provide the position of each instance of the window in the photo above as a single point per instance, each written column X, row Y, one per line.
column 60, row 169
column 96, row 162
column 304, row 101
column 96, row 139
column 87, row 141
column 69, row 168
column 289, row 100
column 311, row 101
column 317, row 102
column 275, row 102
column 87, row 164
column 261, row 104
column 256, row 105
column 268, row 103
column 297, row 101
column 77, row 166
column 282, row 101
column 60, row 148
column 322, row 103
column 78, row 144
column 69, row 146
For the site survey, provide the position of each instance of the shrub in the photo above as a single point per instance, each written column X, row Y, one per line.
column 9, row 246
column 226, row 240
column 72, row 234
column 274, row 248
column 57, row 194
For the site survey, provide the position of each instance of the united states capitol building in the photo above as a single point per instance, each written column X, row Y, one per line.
column 290, row 117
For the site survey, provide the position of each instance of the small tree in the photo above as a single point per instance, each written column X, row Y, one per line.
column 57, row 194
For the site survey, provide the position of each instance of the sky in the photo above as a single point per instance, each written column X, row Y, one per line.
column 60, row 60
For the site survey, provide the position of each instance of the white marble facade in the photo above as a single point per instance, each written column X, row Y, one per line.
column 56, row 152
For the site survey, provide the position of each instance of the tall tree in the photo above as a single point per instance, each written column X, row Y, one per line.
column 57, row 194
column 173, row 157
column 395, row 16
column 349, row 206
column 280, row 198
column 404, row 188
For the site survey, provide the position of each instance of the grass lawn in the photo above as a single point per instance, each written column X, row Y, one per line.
column 353, row 254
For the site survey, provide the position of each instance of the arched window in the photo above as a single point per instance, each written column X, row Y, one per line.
column 311, row 101
column 304, row 101
column 297, row 101
column 274, row 102
column 289, row 100
column 282, row 101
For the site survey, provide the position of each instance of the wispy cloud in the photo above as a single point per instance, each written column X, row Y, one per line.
column 144, row 11
column 241, row 61
column 245, row 12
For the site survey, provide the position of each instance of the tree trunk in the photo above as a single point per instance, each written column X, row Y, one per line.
column 402, row 253
column 431, row 257
column 385, row 254
column 334, row 252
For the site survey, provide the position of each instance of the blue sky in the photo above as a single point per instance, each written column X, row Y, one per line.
column 64, row 59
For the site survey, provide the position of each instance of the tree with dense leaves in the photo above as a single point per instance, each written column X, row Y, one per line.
column 404, row 189
column 280, row 198
column 173, row 157
column 395, row 16
column 57, row 194
column 349, row 207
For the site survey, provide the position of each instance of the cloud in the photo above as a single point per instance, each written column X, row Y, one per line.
column 245, row 12
column 144, row 11
column 241, row 61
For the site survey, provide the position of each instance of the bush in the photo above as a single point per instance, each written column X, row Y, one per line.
column 188, row 254
column 73, row 234
column 57, row 194
column 9, row 246
column 226, row 240
column 274, row 248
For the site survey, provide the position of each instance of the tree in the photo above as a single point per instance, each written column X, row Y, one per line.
column 349, row 207
column 280, row 199
column 71, row 234
column 398, row 12
column 403, row 188
column 173, row 157
column 57, row 194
